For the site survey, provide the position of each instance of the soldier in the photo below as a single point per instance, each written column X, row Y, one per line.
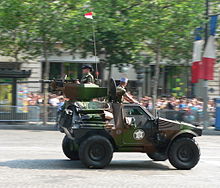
column 121, row 92
column 87, row 77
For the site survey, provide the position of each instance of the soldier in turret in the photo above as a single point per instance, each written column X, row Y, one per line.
column 87, row 77
column 121, row 93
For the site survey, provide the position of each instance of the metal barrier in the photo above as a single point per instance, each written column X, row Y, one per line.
column 52, row 113
column 19, row 113
column 36, row 114
column 193, row 117
column 26, row 113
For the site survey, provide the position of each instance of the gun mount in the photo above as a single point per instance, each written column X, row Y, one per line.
column 79, row 92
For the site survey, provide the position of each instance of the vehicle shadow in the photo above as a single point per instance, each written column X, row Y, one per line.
column 57, row 164
column 138, row 165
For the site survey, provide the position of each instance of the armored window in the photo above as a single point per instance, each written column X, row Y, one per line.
column 139, row 115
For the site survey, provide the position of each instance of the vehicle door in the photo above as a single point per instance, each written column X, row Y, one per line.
column 135, row 126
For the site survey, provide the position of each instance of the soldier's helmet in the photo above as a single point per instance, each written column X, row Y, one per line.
column 87, row 67
column 125, row 80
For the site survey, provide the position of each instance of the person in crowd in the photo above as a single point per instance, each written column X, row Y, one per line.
column 32, row 99
column 60, row 108
column 40, row 99
column 145, row 101
column 53, row 100
column 170, row 105
column 61, row 103
column 211, row 106
column 182, row 104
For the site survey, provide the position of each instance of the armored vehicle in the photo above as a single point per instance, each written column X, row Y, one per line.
column 94, row 130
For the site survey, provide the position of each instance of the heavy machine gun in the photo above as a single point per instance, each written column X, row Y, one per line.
column 72, row 89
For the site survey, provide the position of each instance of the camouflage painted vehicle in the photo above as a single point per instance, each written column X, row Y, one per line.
column 92, row 136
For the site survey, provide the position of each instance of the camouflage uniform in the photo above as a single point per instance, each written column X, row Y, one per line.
column 120, row 91
column 87, row 78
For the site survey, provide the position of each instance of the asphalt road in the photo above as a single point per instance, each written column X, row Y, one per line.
column 32, row 158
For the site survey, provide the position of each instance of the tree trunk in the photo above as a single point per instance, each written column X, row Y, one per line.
column 45, row 85
column 109, row 74
column 16, row 49
column 16, row 56
column 156, row 80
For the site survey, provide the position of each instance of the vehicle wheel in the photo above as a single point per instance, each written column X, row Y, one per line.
column 70, row 149
column 96, row 152
column 156, row 156
column 184, row 153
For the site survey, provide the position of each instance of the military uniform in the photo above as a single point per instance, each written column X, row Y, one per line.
column 87, row 78
column 120, row 91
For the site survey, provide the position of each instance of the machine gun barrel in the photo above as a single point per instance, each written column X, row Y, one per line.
column 54, row 84
column 40, row 81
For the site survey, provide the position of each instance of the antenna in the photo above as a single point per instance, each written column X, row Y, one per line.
column 95, row 51
column 90, row 16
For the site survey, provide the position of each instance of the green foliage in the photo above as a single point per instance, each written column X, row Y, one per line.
column 33, row 27
column 123, row 28
column 12, row 23
column 167, row 25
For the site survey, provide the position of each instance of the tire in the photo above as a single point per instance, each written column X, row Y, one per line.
column 156, row 156
column 70, row 149
column 184, row 153
column 96, row 152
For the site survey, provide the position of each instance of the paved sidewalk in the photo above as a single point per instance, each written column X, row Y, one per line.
column 211, row 131
column 29, row 126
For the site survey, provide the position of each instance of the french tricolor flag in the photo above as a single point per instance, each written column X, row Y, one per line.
column 88, row 15
column 197, row 56
column 209, row 57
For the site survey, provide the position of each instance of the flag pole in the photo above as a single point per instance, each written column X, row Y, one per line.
column 204, row 81
column 90, row 16
column 95, row 50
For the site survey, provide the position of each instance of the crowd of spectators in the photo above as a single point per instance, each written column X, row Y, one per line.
column 38, row 99
column 182, row 109
column 169, row 103
column 178, row 104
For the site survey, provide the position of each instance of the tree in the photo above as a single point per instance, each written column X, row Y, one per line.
column 166, row 27
column 13, row 36
column 46, row 22
column 112, row 36
column 123, row 29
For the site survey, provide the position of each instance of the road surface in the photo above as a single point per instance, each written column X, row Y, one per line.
column 33, row 158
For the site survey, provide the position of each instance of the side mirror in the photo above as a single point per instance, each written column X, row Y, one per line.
column 130, row 121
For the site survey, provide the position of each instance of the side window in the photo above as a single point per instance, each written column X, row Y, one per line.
column 139, row 115
column 134, row 111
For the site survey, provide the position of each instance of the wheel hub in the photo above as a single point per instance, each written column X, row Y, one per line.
column 184, row 154
column 97, row 152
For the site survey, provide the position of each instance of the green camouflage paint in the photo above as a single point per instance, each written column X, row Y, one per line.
column 146, row 135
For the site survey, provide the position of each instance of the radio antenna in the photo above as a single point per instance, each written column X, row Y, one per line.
column 89, row 16
column 95, row 50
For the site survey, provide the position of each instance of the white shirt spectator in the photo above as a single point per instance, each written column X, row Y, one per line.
column 54, row 101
